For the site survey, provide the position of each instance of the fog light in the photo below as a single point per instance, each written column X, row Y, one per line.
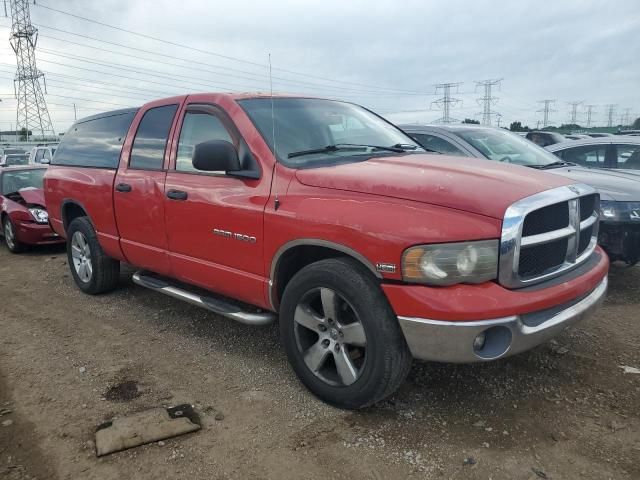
column 478, row 342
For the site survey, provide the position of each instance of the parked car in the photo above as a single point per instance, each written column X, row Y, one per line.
column 615, row 152
column 42, row 154
column 23, row 209
column 12, row 159
column 10, row 150
column 599, row 134
column 619, row 234
column 576, row 136
column 545, row 138
column 369, row 250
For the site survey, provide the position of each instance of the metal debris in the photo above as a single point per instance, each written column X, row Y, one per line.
column 145, row 427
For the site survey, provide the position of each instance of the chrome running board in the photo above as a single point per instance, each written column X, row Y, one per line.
column 215, row 305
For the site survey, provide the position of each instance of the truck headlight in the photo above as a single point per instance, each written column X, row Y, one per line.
column 39, row 215
column 451, row 263
column 619, row 211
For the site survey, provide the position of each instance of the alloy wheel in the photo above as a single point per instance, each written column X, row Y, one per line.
column 9, row 235
column 330, row 337
column 81, row 255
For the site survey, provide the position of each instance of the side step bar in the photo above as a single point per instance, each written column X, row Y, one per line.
column 214, row 305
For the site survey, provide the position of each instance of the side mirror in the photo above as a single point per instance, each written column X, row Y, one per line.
column 45, row 161
column 216, row 156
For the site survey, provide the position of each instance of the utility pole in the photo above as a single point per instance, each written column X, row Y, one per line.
column 75, row 116
column 590, row 112
column 611, row 110
column 31, row 113
column 574, row 111
column 548, row 103
column 446, row 102
column 488, row 100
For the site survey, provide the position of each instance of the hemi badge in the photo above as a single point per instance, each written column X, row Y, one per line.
column 386, row 267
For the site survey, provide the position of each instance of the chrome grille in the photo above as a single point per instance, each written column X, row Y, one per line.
column 548, row 234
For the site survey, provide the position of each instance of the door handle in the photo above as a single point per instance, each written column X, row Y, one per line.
column 177, row 195
column 123, row 187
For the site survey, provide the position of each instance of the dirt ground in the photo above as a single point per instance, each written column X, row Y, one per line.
column 565, row 410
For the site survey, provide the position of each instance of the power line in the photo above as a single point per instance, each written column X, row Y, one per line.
column 548, row 103
column 488, row 100
column 206, row 52
column 446, row 102
column 574, row 111
column 31, row 113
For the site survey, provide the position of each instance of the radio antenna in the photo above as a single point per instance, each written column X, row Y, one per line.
column 273, row 132
column 273, row 116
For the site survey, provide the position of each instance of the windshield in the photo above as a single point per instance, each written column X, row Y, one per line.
column 17, row 160
column 19, row 179
column 504, row 146
column 303, row 125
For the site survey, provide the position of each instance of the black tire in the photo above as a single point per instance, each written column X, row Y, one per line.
column 387, row 359
column 13, row 244
column 105, row 271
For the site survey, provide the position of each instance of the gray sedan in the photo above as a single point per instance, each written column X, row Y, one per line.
column 619, row 191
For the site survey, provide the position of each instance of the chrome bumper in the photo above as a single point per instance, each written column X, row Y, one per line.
column 477, row 341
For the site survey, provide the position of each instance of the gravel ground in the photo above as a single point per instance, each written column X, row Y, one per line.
column 68, row 362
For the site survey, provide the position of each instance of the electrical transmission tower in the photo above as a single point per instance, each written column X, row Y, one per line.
column 574, row 111
column 32, row 113
column 590, row 112
column 547, row 110
column 446, row 102
column 488, row 100
column 625, row 120
column 611, row 110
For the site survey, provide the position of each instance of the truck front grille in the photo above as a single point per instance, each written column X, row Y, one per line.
column 548, row 234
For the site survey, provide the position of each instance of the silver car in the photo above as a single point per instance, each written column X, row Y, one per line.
column 618, row 152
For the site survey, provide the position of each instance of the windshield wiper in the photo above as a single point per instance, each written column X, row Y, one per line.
column 345, row 146
column 558, row 164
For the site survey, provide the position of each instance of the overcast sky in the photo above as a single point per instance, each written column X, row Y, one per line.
column 386, row 55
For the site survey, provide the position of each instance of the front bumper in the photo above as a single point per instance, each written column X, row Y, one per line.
column 457, row 342
column 32, row 233
column 621, row 240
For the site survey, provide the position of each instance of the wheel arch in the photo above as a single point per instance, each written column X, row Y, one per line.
column 297, row 254
column 70, row 210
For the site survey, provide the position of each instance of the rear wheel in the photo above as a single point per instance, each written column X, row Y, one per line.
column 9, row 230
column 93, row 271
column 341, row 336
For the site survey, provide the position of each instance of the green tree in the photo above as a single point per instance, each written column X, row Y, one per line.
column 471, row 120
column 636, row 124
column 23, row 134
column 517, row 127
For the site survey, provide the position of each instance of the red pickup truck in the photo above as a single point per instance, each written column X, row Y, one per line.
column 369, row 250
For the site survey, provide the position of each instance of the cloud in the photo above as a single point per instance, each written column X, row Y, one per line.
column 391, row 53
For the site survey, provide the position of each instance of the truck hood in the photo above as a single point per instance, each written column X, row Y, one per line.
column 33, row 196
column 612, row 184
column 468, row 184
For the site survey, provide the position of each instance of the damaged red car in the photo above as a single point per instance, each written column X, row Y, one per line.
column 25, row 220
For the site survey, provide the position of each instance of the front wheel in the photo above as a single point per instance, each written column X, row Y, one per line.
column 93, row 271
column 10, row 239
column 341, row 336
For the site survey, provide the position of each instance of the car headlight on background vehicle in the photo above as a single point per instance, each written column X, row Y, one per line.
column 39, row 215
column 451, row 263
column 619, row 211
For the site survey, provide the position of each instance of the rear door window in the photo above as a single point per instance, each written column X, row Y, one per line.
column 628, row 156
column 438, row 144
column 94, row 143
column 147, row 152
column 587, row 156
